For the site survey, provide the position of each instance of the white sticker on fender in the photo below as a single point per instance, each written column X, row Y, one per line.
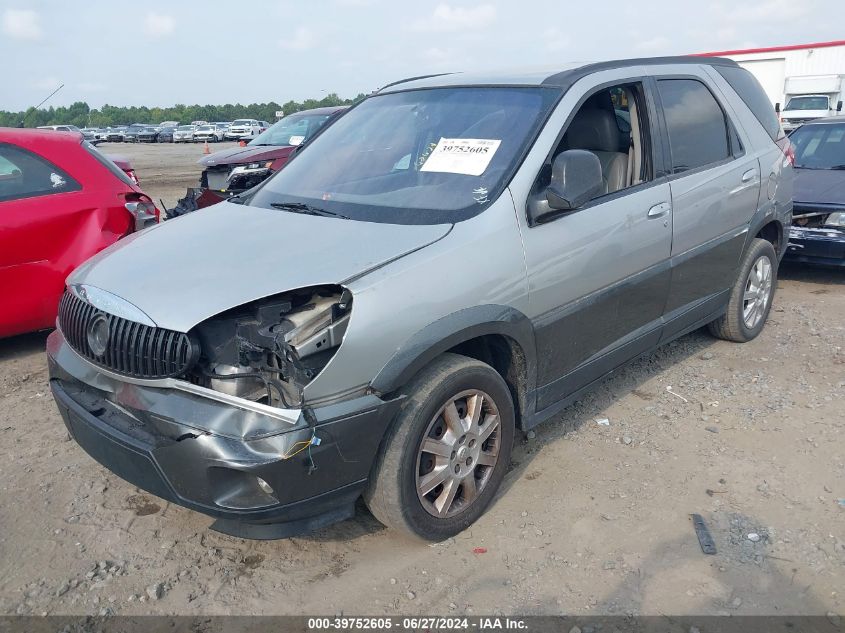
column 469, row 156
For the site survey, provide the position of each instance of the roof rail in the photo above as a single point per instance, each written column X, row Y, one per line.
column 406, row 80
column 567, row 76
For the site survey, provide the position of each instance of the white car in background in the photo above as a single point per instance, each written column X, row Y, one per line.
column 208, row 133
column 184, row 134
column 244, row 128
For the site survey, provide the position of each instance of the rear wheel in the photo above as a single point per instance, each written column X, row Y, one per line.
column 751, row 296
column 448, row 451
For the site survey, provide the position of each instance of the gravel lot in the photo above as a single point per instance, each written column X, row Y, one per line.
column 592, row 519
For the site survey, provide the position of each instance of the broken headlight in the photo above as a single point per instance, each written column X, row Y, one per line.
column 836, row 219
column 269, row 350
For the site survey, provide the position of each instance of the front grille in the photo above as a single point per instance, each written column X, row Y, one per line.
column 132, row 349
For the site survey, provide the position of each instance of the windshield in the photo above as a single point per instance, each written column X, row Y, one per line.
column 292, row 130
column 415, row 157
column 185, row 128
column 807, row 103
column 819, row 146
column 241, row 122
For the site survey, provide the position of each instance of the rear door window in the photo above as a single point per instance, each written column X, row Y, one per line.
column 24, row 174
column 698, row 131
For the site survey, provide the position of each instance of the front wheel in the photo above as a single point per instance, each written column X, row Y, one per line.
column 447, row 452
column 751, row 296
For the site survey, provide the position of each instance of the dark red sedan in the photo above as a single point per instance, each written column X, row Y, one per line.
column 61, row 201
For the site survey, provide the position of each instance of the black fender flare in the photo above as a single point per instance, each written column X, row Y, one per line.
column 453, row 329
column 764, row 215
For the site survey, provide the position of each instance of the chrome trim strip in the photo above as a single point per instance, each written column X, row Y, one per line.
column 111, row 303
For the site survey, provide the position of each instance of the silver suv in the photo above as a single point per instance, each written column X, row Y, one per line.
column 456, row 258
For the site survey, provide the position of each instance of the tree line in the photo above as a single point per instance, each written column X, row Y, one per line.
column 81, row 115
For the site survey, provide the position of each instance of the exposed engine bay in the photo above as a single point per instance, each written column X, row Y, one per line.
column 233, row 179
column 818, row 218
column 269, row 350
column 220, row 183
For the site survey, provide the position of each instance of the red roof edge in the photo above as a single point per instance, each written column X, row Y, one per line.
column 772, row 49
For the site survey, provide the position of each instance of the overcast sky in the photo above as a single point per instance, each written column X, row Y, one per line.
column 157, row 52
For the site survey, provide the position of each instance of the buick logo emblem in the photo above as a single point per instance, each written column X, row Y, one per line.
column 98, row 334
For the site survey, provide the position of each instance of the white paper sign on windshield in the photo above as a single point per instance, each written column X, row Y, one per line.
column 469, row 156
column 296, row 140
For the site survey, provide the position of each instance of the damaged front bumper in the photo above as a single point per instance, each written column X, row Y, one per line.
column 219, row 184
column 816, row 245
column 233, row 179
column 262, row 472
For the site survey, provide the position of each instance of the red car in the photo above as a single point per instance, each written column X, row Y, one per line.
column 61, row 201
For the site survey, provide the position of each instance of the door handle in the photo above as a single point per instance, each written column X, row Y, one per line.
column 750, row 175
column 659, row 210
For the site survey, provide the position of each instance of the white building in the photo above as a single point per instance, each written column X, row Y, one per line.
column 779, row 66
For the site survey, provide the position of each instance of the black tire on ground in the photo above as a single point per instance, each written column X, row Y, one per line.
column 392, row 494
column 733, row 326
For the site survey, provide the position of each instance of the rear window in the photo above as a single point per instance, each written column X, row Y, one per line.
column 108, row 163
column 819, row 146
column 752, row 94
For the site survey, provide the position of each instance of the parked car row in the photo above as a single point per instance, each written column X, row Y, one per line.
column 170, row 131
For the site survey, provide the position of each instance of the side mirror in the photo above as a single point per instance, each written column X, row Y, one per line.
column 777, row 107
column 576, row 179
column 839, row 106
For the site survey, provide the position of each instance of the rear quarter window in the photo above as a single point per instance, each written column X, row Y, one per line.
column 752, row 94
column 24, row 174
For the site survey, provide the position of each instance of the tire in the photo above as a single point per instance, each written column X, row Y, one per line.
column 751, row 296
column 402, row 465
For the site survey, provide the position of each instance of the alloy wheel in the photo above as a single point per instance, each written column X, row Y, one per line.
column 758, row 292
column 458, row 454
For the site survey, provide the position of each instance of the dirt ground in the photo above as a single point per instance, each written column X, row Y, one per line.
column 591, row 519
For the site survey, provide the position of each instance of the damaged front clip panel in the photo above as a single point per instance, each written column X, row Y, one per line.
column 269, row 350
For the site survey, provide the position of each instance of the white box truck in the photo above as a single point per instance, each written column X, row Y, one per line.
column 808, row 97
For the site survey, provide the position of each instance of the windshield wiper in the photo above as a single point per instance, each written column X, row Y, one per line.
column 307, row 209
column 837, row 167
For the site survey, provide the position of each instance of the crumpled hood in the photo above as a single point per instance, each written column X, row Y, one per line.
column 819, row 186
column 239, row 155
column 192, row 267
